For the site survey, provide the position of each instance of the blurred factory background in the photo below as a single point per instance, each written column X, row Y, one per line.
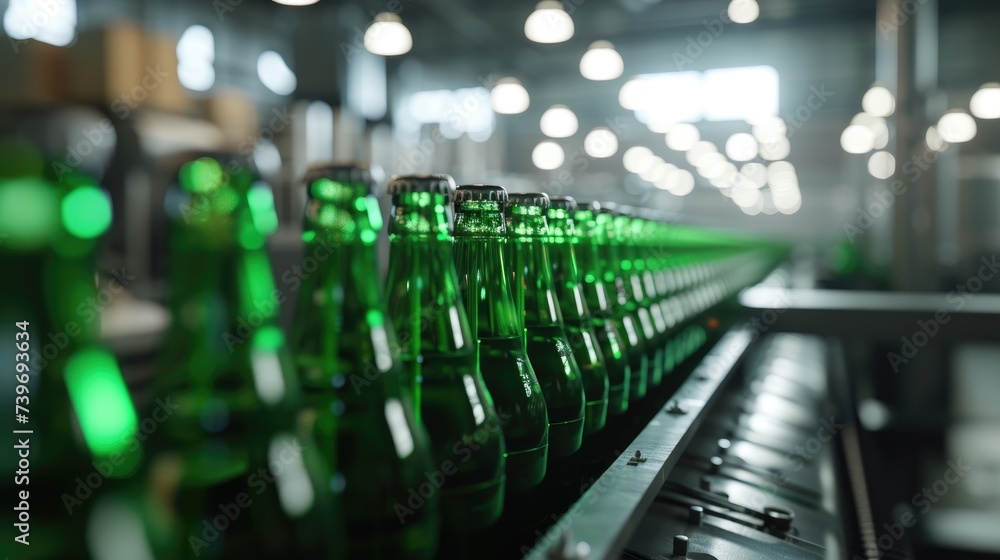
column 292, row 85
column 865, row 132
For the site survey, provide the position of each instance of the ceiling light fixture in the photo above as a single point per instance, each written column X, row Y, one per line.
column 549, row 23
column 387, row 36
column 601, row 62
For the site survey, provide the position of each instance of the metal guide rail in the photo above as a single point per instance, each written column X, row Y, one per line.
column 599, row 524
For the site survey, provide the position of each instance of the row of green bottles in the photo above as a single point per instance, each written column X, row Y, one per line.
column 389, row 423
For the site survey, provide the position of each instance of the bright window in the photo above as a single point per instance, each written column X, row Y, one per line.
column 275, row 74
column 460, row 111
column 196, row 58
column 725, row 94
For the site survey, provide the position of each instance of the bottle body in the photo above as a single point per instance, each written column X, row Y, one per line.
column 438, row 354
column 577, row 320
column 503, row 361
column 616, row 347
column 358, row 408
column 551, row 356
column 232, row 458
column 635, row 326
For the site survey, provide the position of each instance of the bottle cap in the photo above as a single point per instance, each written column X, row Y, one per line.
column 436, row 183
column 528, row 199
column 495, row 193
column 563, row 202
column 352, row 173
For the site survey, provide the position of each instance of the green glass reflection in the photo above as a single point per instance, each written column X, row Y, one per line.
column 101, row 401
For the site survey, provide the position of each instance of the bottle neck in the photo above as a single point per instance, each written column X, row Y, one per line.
column 562, row 244
column 420, row 215
column 588, row 256
column 631, row 260
column 341, row 333
column 424, row 301
column 531, row 272
column 607, row 248
column 482, row 272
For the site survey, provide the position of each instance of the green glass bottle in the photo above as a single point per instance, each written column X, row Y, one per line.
column 72, row 446
column 480, row 237
column 658, row 251
column 239, row 471
column 545, row 339
column 577, row 321
column 347, row 357
column 614, row 346
column 638, row 281
column 624, row 305
column 439, row 354
column 617, row 251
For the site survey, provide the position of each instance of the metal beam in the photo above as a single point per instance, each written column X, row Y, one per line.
column 876, row 315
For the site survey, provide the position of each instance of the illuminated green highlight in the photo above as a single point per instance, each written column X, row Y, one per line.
column 374, row 318
column 101, row 401
column 225, row 201
column 262, row 211
column 328, row 190
column 201, row 175
column 29, row 211
column 374, row 213
column 268, row 338
column 258, row 283
column 86, row 212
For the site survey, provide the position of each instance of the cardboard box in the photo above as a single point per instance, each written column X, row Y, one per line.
column 165, row 91
column 235, row 114
column 34, row 73
column 106, row 65
column 123, row 66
